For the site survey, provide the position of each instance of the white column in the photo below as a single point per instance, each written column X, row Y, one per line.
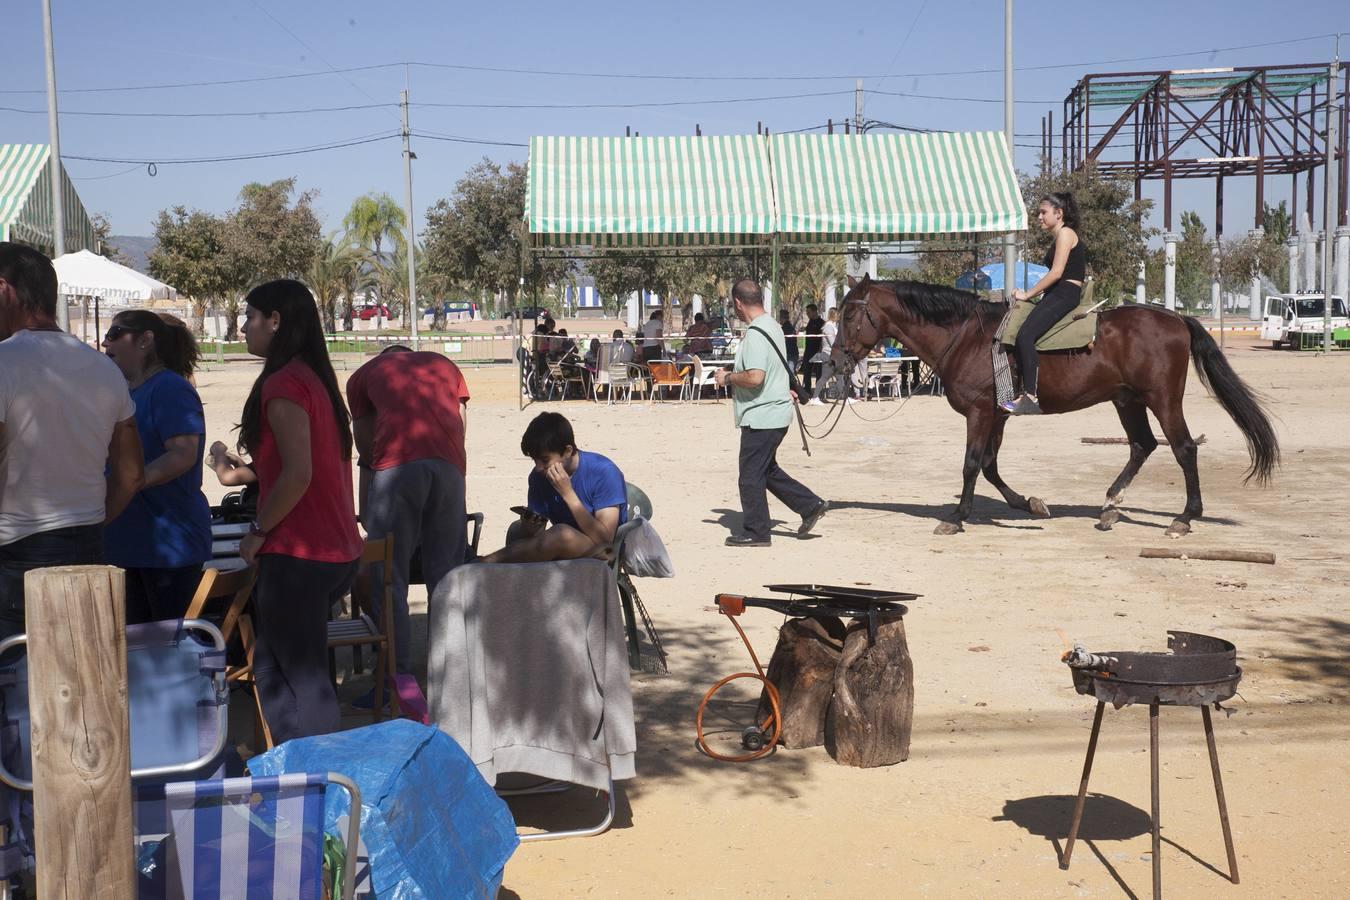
column 1254, row 299
column 1342, row 280
column 696, row 302
column 634, row 310
column 831, row 297
column 1309, row 276
column 1140, row 291
column 1292, row 246
column 767, row 288
column 1170, row 240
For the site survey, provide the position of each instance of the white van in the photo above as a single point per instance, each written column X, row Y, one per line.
column 1289, row 316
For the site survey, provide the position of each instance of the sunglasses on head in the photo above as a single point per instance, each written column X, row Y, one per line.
column 116, row 331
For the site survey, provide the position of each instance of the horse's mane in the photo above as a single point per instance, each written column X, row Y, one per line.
column 938, row 304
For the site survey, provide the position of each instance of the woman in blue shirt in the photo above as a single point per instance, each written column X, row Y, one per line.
column 164, row 536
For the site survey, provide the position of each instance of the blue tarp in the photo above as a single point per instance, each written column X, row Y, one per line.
column 431, row 826
column 990, row 277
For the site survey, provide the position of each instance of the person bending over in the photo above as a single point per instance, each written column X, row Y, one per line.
column 577, row 499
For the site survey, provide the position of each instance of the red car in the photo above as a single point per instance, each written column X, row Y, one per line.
column 367, row 313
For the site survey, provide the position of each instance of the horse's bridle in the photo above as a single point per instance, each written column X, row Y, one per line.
column 867, row 310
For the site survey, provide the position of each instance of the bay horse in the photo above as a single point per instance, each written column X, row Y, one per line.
column 1138, row 363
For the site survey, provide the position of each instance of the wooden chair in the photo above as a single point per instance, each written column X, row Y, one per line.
column 238, row 586
column 360, row 630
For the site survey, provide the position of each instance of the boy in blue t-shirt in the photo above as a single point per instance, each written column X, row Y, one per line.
column 577, row 499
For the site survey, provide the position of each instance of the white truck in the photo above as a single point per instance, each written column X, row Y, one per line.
column 1289, row 317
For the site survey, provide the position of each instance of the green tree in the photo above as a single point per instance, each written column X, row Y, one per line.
column 330, row 272
column 190, row 255
column 477, row 236
column 372, row 220
column 102, row 240
column 1195, row 263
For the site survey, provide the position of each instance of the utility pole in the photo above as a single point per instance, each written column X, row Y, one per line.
column 54, row 159
column 414, row 311
column 1009, row 239
column 857, row 106
column 1330, row 214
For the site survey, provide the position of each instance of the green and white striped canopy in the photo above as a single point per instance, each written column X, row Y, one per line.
column 746, row 190
column 649, row 191
column 833, row 188
column 26, row 201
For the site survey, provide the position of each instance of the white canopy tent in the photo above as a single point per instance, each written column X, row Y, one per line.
column 86, row 274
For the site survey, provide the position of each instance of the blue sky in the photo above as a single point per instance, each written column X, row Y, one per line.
column 911, row 43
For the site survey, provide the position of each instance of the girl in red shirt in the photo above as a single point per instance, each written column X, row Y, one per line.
column 304, row 539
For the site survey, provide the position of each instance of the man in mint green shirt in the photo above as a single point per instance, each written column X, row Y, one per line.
column 762, row 404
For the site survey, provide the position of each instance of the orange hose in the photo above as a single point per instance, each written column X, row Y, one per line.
column 775, row 717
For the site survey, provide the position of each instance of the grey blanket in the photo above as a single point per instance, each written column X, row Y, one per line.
column 527, row 670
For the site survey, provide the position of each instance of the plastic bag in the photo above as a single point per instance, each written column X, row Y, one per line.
column 431, row 827
column 644, row 553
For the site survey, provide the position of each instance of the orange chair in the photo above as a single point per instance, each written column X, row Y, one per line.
column 667, row 374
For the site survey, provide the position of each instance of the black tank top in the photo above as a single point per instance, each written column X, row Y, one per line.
column 1075, row 268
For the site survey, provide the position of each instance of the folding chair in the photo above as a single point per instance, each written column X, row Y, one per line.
column 360, row 630
column 242, row 837
column 625, row 377
column 562, row 373
column 177, row 707
column 639, row 506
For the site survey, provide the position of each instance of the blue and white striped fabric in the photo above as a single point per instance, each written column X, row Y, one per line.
column 582, row 296
column 254, row 838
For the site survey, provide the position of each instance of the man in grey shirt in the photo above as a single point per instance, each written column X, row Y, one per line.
column 65, row 415
column 762, row 404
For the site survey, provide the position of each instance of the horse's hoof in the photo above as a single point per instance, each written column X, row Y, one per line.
column 1108, row 519
column 1178, row 529
column 948, row 528
column 1038, row 507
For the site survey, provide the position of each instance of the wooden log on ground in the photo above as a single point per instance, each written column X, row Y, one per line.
column 1162, row 441
column 872, row 714
column 802, row 668
column 1250, row 556
column 77, row 701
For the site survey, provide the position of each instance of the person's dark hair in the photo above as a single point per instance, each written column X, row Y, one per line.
column 549, row 432
column 549, row 323
column 811, row 307
column 300, row 336
column 396, row 348
column 32, row 275
column 698, row 317
column 562, row 332
column 748, row 291
column 783, row 313
column 175, row 347
column 1064, row 202
column 618, row 333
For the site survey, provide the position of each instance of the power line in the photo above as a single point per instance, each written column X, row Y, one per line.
column 458, row 139
column 243, row 114
column 269, row 154
column 639, row 105
column 998, row 100
column 332, row 70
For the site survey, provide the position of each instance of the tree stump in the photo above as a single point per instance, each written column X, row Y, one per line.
column 802, row 668
column 870, row 720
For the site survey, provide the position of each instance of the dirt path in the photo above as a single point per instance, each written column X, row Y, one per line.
column 980, row 807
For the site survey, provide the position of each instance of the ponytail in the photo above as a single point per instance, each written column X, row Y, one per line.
column 175, row 347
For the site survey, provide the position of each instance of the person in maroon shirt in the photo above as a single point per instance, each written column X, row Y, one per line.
column 304, row 539
column 408, row 416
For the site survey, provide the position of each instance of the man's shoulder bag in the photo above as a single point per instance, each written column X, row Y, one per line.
column 793, row 385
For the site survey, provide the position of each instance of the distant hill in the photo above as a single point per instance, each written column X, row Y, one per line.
column 135, row 249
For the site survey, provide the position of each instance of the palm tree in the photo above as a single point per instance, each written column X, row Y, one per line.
column 330, row 272
column 372, row 219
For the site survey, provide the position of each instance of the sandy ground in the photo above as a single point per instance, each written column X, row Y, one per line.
column 982, row 804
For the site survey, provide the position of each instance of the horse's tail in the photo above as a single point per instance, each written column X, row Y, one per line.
column 1237, row 399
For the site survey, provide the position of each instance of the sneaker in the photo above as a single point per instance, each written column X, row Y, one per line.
column 746, row 540
column 815, row 401
column 1009, row 406
column 851, row 400
column 810, row 519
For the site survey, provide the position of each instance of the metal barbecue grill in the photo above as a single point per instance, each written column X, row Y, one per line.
column 1198, row 671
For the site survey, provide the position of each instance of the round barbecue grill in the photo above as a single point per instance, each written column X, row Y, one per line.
column 1200, row 670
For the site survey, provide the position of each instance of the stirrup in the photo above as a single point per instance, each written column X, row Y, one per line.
column 1026, row 405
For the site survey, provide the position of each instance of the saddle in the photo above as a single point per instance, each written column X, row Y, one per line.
column 1075, row 331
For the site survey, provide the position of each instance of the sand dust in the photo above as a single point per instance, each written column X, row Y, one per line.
column 982, row 804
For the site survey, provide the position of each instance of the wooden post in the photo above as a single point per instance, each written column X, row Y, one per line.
column 77, row 700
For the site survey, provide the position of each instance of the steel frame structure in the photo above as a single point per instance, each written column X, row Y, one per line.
column 1207, row 123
